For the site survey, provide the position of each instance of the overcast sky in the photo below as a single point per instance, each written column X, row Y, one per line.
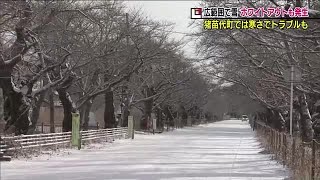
column 177, row 12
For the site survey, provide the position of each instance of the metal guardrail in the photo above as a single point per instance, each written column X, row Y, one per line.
column 10, row 143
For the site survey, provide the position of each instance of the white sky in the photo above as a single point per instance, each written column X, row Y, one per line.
column 177, row 12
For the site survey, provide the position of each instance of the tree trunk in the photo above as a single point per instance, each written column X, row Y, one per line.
column 19, row 111
column 145, row 123
column 67, row 109
column 148, row 104
column 16, row 111
column 159, row 119
column 36, row 111
column 124, row 106
column 305, row 120
column 86, row 114
column 184, row 116
column 282, row 121
column 125, row 112
column 298, row 3
column 169, row 116
column 295, row 116
column 2, row 123
column 51, row 104
column 109, row 118
column 316, row 4
column 277, row 120
column 316, row 117
column 82, row 114
column 1, row 104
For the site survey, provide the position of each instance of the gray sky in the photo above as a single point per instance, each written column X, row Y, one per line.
column 177, row 12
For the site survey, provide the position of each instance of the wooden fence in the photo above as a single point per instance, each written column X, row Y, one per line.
column 142, row 132
column 13, row 143
column 303, row 158
column 46, row 129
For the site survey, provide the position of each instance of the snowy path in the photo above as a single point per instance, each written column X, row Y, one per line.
column 224, row 150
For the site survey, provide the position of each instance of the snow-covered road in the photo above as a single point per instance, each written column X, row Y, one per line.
column 224, row 150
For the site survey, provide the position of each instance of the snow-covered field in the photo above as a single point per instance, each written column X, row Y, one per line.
column 224, row 150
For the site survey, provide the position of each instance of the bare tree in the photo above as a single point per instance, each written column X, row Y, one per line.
column 257, row 60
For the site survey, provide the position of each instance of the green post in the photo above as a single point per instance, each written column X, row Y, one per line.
column 75, row 129
column 130, row 127
column 133, row 125
column 79, row 142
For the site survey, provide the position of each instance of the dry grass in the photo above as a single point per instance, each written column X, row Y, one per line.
column 48, row 150
column 29, row 153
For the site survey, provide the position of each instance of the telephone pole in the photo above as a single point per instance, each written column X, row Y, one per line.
column 292, row 75
column 291, row 98
column 127, row 29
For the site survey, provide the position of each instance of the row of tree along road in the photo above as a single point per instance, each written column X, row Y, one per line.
column 256, row 62
column 91, row 54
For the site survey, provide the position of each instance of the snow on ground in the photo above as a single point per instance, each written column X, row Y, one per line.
column 224, row 150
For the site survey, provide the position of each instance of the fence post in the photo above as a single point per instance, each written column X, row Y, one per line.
column 293, row 150
column 42, row 127
column 271, row 139
column 113, row 133
column 276, row 143
column 177, row 122
column 313, row 160
column 284, row 138
column 106, row 134
column 130, row 127
column 302, row 156
column 279, row 143
column 55, row 140
column 123, row 132
column 153, row 122
column 79, row 141
column 75, row 129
